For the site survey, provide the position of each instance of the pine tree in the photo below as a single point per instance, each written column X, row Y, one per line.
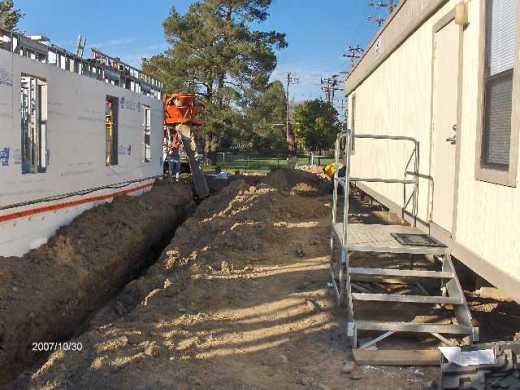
column 9, row 15
column 215, row 53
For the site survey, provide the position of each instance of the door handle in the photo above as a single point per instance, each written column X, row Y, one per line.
column 452, row 140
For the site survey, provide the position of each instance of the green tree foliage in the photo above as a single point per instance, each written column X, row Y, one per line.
column 264, row 117
column 9, row 15
column 316, row 124
column 216, row 54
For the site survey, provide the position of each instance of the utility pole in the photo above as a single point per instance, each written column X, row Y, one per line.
column 353, row 53
column 329, row 86
column 379, row 20
column 325, row 87
column 389, row 5
column 291, row 138
column 290, row 80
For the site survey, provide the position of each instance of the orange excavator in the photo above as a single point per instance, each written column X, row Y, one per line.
column 180, row 110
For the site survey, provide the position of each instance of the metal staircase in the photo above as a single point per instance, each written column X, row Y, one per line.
column 373, row 239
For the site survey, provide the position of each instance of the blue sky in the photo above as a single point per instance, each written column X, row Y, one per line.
column 317, row 31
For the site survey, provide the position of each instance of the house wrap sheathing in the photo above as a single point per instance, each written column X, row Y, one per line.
column 447, row 74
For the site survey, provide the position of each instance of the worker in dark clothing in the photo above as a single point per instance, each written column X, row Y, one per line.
column 174, row 155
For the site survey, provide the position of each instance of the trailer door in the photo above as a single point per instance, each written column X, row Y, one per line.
column 444, row 123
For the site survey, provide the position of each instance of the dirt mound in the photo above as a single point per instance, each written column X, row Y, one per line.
column 48, row 293
column 239, row 299
column 295, row 180
column 239, row 245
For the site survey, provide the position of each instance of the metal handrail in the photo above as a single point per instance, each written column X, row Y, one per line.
column 390, row 137
column 345, row 138
column 382, row 180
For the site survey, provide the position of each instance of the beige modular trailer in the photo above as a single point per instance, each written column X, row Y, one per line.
column 446, row 73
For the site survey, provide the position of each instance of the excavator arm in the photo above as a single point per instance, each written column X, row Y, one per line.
column 179, row 114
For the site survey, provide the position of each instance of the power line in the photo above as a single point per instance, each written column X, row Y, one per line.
column 379, row 20
column 388, row 5
column 329, row 86
column 354, row 53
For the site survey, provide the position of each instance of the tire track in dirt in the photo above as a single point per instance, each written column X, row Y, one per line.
column 238, row 300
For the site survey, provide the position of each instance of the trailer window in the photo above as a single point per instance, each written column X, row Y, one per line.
column 33, row 110
column 147, row 124
column 111, row 122
column 497, row 153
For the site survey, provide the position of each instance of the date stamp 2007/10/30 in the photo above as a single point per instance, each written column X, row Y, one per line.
column 49, row 346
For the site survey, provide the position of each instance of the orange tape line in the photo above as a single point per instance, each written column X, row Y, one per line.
column 54, row 207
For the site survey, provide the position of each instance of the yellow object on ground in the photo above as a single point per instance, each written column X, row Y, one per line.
column 330, row 170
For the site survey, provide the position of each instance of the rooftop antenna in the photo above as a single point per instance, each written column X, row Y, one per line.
column 80, row 45
column 379, row 20
column 354, row 53
column 389, row 5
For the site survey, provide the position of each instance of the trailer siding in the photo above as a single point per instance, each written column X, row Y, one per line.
column 396, row 98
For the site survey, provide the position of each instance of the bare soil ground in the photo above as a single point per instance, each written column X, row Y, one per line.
column 238, row 300
column 47, row 294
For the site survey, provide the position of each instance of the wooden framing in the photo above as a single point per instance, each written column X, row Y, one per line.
column 428, row 357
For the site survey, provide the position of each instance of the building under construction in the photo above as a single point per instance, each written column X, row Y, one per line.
column 75, row 132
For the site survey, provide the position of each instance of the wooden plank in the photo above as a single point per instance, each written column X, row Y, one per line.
column 407, row 298
column 427, row 357
column 400, row 273
column 413, row 327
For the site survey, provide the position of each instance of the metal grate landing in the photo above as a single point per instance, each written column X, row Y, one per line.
column 408, row 239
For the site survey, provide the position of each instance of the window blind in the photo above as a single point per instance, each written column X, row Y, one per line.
column 499, row 104
column 501, row 35
column 501, row 56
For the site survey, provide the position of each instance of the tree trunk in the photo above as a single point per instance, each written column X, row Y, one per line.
column 291, row 148
column 211, row 145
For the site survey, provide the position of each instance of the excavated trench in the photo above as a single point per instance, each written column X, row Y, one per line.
column 237, row 299
column 54, row 292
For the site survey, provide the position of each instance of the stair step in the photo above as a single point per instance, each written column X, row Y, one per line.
column 400, row 273
column 413, row 327
column 406, row 298
column 378, row 238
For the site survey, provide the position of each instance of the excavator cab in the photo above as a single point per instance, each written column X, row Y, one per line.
column 180, row 110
